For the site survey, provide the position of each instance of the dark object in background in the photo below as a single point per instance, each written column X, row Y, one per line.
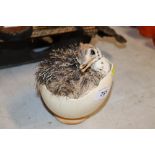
column 20, row 45
column 15, row 33
column 107, row 31
column 26, row 44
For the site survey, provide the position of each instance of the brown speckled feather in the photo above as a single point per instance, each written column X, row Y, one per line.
column 62, row 76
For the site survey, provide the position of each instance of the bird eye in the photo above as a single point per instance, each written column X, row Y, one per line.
column 92, row 52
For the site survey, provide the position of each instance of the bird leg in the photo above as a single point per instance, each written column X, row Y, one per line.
column 84, row 67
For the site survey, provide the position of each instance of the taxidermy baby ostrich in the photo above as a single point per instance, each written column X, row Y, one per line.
column 72, row 72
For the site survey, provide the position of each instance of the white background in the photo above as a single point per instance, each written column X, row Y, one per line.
column 77, row 12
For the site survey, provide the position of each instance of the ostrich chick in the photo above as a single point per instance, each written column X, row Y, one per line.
column 72, row 72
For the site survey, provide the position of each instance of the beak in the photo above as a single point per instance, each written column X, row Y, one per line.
column 85, row 66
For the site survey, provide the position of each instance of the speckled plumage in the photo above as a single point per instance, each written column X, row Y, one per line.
column 62, row 75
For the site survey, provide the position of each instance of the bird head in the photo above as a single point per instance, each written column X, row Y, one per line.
column 88, row 55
